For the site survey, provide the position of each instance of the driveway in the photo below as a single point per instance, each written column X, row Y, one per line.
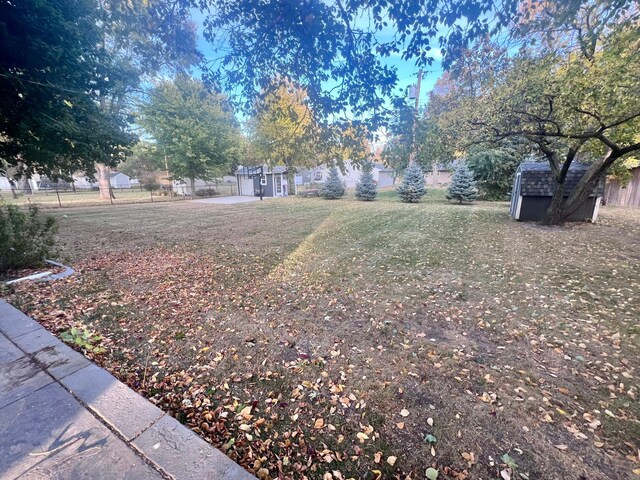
column 230, row 200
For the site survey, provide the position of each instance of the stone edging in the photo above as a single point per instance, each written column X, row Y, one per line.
column 162, row 441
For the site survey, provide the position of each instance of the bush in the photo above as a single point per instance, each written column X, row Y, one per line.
column 493, row 171
column 26, row 237
column 366, row 188
column 333, row 188
column 206, row 192
column 151, row 186
column 412, row 188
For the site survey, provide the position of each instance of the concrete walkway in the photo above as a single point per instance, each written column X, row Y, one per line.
column 231, row 200
column 63, row 417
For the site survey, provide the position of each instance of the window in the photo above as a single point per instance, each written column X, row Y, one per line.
column 263, row 179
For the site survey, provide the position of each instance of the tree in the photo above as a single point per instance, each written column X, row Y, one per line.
column 283, row 127
column 193, row 126
column 145, row 163
column 333, row 187
column 571, row 106
column 142, row 39
column 366, row 188
column 493, row 170
column 52, row 70
column 412, row 188
column 462, row 186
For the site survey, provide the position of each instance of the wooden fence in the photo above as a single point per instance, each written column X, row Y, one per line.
column 628, row 196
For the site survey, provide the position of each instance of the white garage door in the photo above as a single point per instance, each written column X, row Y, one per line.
column 246, row 186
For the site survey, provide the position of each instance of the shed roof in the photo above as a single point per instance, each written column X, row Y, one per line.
column 242, row 170
column 537, row 180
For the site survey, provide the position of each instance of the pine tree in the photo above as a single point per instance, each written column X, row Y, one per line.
column 463, row 186
column 333, row 188
column 366, row 188
column 412, row 188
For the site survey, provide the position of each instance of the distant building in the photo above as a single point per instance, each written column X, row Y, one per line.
column 383, row 176
column 82, row 181
column 440, row 175
column 119, row 180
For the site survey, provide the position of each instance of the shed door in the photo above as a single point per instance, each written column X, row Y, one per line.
column 515, row 197
column 278, row 180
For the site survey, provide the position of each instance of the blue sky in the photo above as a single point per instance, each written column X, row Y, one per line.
column 407, row 71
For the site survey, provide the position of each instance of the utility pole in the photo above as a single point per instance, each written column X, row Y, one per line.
column 412, row 156
column 417, row 107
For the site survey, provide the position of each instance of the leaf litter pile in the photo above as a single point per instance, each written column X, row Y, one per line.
column 335, row 340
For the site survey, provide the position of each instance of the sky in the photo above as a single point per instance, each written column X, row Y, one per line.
column 406, row 70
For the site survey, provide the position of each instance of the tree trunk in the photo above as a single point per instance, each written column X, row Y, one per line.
column 14, row 195
column 193, row 187
column 560, row 210
column 554, row 215
column 104, row 181
column 25, row 186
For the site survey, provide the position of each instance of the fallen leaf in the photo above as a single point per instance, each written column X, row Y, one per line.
column 392, row 460
column 469, row 457
column 431, row 473
column 319, row 423
column 404, row 412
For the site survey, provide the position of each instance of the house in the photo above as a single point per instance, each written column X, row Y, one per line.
column 533, row 188
column 383, row 176
column 119, row 180
column 84, row 182
column 262, row 181
column 624, row 196
column 19, row 185
column 440, row 175
column 183, row 187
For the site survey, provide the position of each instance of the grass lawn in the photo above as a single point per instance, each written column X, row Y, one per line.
column 337, row 339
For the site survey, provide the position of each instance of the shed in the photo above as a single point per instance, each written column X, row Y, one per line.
column 533, row 188
column 262, row 181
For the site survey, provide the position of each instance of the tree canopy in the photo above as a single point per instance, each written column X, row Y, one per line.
column 337, row 50
column 283, row 128
column 68, row 66
column 52, row 68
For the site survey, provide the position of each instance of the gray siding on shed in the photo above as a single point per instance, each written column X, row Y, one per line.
column 267, row 190
column 534, row 208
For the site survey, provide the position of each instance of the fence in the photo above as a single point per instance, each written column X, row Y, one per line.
column 68, row 195
column 627, row 196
